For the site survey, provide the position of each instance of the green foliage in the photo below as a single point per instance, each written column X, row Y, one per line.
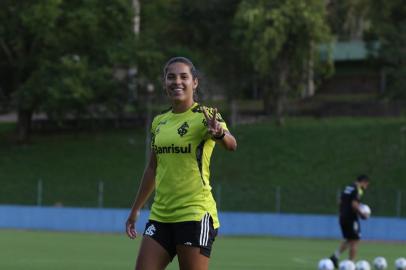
column 198, row 30
column 347, row 18
column 279, row 37
column 61, row 55
column 267, row 28
column 388, row 25
column 210, row 25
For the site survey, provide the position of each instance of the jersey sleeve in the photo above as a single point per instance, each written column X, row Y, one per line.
column 354, row 196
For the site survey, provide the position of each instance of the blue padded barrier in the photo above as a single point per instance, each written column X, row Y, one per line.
column 232, row 223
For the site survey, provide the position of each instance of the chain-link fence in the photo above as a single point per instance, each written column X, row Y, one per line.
column 243, row 197
column 305, row 199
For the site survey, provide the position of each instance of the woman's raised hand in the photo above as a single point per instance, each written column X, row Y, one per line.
column 213, row 126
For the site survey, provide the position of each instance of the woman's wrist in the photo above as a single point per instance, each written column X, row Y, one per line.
column 134, row 215
column 219, row 137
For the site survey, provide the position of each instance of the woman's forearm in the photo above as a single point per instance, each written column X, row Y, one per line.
column 228, row 141
column 146, row 187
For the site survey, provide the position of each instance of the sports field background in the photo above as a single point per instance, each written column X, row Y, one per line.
column 38, row 250
column 306, row 156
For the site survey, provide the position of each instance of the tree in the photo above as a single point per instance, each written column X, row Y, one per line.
column 388, row 26
column 60, row 55
column 280, row 37
column 201, row 30
column 347, row 18
column 210, row 24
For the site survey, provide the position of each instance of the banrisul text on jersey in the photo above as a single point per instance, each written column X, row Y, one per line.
column 173, row 149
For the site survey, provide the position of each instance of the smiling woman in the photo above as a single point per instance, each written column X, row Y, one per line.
column 180, row 80
column 183, row 219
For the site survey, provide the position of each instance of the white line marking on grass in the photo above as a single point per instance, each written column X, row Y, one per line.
column 302, row 260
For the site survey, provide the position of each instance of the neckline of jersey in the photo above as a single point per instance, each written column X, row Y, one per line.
column 185, row 112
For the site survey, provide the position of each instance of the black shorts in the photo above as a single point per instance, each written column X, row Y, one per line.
column 350, row 229
column 189, row 233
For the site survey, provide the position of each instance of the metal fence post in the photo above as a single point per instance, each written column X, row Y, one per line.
column 148, row 120
column 39, row 192
column 402, row 141
column 278, row 199
column 399, row 203
column 234, row 112
column 100, row 195
column 218, row 196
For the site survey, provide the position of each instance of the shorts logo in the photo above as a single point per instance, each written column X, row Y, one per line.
column 182, row 130
column 187, row 243
column 150, row 230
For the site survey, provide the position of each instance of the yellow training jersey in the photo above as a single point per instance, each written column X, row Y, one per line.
column 183, row 149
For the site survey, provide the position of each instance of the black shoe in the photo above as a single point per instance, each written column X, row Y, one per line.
column 334, row 259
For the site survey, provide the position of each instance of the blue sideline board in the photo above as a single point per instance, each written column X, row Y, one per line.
column 232, row 223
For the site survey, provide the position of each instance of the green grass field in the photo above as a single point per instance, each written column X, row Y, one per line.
column 37, row 250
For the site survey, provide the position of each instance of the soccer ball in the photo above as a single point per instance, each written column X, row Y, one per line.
column 346, row 265
column 380, row 263
column 365, row 210
column 362, row 265
column 326, row 264
column 400, row 264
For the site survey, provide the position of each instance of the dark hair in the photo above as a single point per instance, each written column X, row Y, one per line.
column 189, row 63
column 363, row 178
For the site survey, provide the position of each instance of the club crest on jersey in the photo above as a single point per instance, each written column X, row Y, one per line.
column 182, row 130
